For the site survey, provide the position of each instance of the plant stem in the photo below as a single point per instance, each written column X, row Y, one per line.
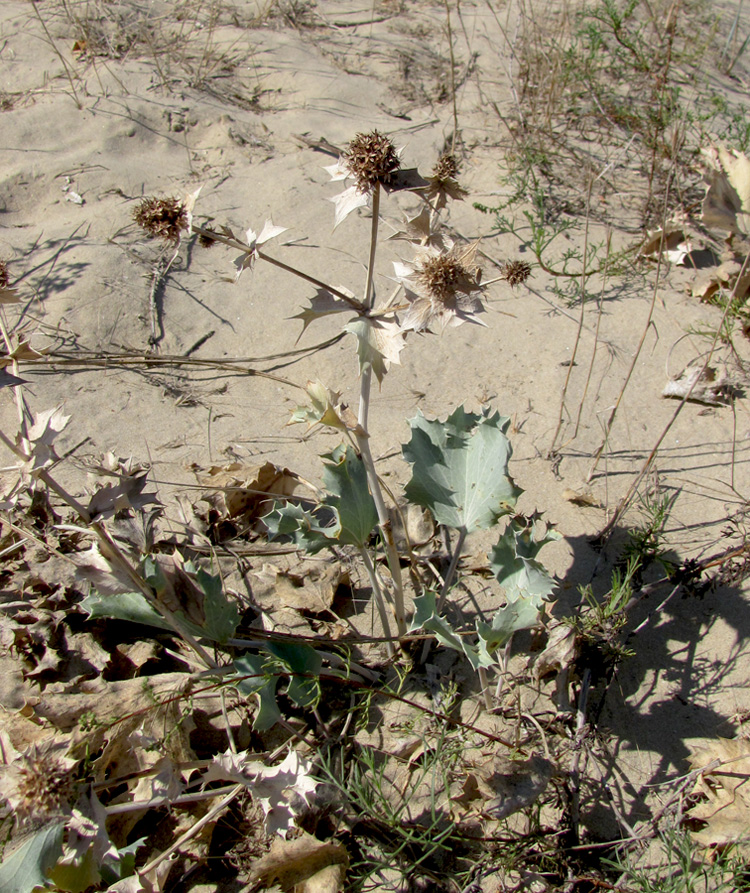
column 447, row 581
column 369, row 298
column 611, row 419
column 485, row 683
column 352, row 302
column 386, row 532
column 210, row 816
column 377, row 594
column 451, row 572
column 247, row 249
column 363, row 441
column 579, row 331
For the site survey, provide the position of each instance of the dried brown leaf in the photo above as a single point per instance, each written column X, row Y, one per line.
column 701, row 385
column 724, row 791
column 297, row 865
column 240, row 490
column 511, row 785
column 726, row 205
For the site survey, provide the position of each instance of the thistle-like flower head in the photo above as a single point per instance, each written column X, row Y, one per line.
column 443, row 288
column 166, row 218
column 371, row 158
column 515, row 272
column 38, row 784
column 443, row 183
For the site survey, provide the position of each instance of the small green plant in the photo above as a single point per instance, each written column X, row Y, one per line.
column 681, row 869
column 399, row 810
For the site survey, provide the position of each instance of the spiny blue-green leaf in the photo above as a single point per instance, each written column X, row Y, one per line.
column 303, row 663
column 426, row 618
column 153, row 574
column 513, row 562
column 460, row 469
column 307, row 531
column 122, row 863
column 345, row 479
column 260, row 683
column 26, row 869
column 222, row 615
column 130, row 606
column 300, row 662
column 347, row 498
column 522, row 614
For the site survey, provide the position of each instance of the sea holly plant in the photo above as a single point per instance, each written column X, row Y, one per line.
column 460, row 473
column 459, row 466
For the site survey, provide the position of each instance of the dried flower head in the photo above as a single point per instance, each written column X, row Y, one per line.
column 443, row 184
column 446, row 168
column 4, row 275
column 515, row 272
column 440, row 275
column 163, row 218
column 371, row 158
column 39, row 785
column 443, row 288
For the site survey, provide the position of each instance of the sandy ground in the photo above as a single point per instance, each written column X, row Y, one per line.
column 222, row 108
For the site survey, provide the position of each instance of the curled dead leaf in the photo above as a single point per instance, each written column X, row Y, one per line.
column 303, row 864
column 702, row 385
column 240, row 490
column 723, row 786
column 726, row 205
column 673, row 240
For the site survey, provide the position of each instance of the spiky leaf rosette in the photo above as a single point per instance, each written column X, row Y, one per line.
column 460, row 469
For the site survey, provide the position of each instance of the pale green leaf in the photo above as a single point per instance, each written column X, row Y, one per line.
column 346, row 515
column 221, row 614
column 513, row 562
column 460, row 469
column 523, row 614
column 426, row 618
column 299, row 662
column 345, row 479
column 130, row 606
column 311, row 531
column 259, row 682
column 27, row 868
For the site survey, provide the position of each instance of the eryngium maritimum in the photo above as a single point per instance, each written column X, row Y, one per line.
column 162, row 218
column 371, row 158
column 442, row 287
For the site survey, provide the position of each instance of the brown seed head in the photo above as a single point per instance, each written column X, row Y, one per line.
column 446, row 168
column 371, row 158
column 162, row 218
column 441, row 276
column 44, row 788
column 516, row 272
column 4, row 276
